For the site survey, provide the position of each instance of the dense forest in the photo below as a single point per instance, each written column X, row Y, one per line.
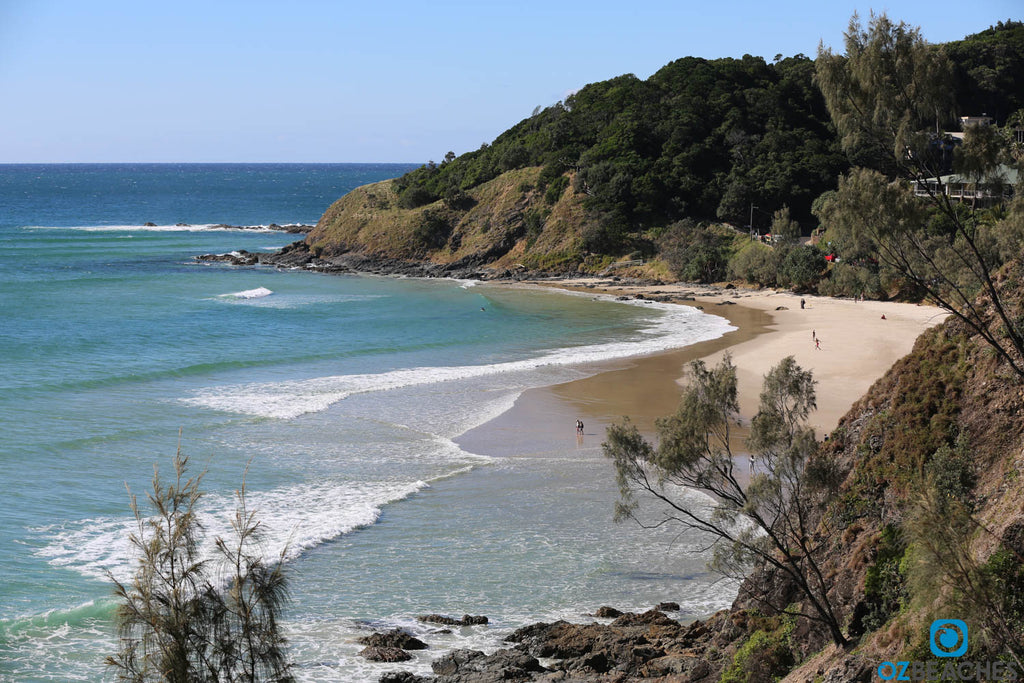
column 700, row 138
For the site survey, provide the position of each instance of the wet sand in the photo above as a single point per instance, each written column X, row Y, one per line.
column 856, row 348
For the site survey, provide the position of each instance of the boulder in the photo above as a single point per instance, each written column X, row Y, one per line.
column 394, row 638
column 466, row 620
column 235, row 258
column 650, row 618
column 385, row 654
column 401, row 677
column 473, row 666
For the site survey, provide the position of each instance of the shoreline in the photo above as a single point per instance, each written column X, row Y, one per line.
column 856, row 347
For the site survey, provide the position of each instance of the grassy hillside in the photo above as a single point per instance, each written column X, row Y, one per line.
column 506, row 223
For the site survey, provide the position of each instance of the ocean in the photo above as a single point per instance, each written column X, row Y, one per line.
column 337, row 398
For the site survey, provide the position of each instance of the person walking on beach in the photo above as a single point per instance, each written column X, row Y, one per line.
column 817, row 344
column 579, row 426
column 802, row 302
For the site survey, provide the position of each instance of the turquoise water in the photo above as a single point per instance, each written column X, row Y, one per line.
column 344, row 393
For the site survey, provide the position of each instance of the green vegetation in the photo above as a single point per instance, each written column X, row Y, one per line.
column 889, row 97
column 885, row 590
column 184, row 618
column 700, row 139
column 680, row 168
column 767, row 655
column 767, row 520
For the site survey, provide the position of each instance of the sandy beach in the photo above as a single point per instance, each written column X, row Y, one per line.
column 847, row 344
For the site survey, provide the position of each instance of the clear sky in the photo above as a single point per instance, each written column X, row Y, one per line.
column 377, row 80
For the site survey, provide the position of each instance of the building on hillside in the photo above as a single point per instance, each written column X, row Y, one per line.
column 983, row 120
column 995, row 187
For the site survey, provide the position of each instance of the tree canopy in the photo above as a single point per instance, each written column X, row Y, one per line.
column 700, row 138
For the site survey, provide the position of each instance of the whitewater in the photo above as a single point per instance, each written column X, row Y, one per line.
column 339, row 399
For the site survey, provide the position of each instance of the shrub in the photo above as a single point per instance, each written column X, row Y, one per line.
column 766, row 656
column 431, row 231
column 845, row 279
column 415, row 196
column 695, row 253
column 802, row 267
column 556, row 188
column 755, row 263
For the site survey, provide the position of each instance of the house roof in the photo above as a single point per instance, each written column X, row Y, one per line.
column 1006, row 175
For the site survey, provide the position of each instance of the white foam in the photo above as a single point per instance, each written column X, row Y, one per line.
column 249, row 294
column 261, row 297
column 203, row 227
column 292, row 519
column 679, row 326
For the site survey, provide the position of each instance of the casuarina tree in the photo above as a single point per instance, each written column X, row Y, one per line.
column 186, row 617
column 770, row 516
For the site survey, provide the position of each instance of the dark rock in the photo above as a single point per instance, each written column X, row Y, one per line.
column 649, row 618
column 453, row 661
column 149, row 224
column 607, row 613
column 394, row 638
column 668, row 606
column 782, row 308
column 693, row 668
column 726, row 303
column 730, row 286
column 385, row 654
column 401, row 677
column 853, row 669
column 466, row 620
column 473, row 666
column 235, row 258
column 294, row 228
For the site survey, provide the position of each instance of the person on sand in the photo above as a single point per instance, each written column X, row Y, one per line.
column 883, row 316
column 802, row 302
column 751, row 463
column 817, row 344
column 579, row 426
column 814, row 335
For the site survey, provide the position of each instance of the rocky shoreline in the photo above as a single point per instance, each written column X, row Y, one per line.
column 649, row 646
column 291, row 228
column 299, row 255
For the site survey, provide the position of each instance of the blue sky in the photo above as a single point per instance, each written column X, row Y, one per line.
column 308, row 80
